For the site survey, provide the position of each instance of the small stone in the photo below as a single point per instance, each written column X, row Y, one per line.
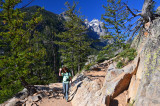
column 28, row 103
column 34, row 104
column 34, row 98
column 12, row 102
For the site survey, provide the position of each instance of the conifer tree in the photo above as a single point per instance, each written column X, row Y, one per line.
column 114, row 17
column 22, row 57
column 74, row 45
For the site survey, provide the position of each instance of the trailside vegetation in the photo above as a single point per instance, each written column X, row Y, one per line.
column 74, row 43
column 22, row 54
column 115, row 14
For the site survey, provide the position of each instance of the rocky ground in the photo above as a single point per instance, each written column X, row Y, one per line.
column 89, row 86
column 56, row 100
column 47, row 95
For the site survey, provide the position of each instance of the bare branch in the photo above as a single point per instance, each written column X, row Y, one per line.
column 27, row 4
column 130, row 10
column 136, row 29
column 156, row 15
column 128, row 20
column 140, row 19
column 139, row 14
column 137, row 10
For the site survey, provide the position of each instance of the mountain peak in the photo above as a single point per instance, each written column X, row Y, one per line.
column 96, row 26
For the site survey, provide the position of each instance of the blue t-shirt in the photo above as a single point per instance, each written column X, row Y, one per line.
column 66, row 77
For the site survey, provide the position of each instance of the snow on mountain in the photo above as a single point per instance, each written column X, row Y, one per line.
column 96, row 26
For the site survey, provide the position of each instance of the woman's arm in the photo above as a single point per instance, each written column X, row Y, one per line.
column 60, row 72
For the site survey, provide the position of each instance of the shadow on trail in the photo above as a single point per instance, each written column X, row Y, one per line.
column 55, row 92
column 113, row 102
column 96, row 76
column 72, row 95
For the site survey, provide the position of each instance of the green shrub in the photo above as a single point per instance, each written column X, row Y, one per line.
column 126, row 46
column 132, row 103
column 11, row 90
column 120, row 64
column 128, row 53
column 87, row 67
column 101, row 59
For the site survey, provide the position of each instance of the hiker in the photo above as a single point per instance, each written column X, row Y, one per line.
column 66, row 79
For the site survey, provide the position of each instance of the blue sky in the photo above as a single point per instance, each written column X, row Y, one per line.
column 89, row 8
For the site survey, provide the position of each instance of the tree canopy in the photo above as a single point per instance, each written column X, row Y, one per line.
column 74, row 44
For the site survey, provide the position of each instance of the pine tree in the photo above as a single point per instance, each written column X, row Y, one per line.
column 74, row 45
column 114, row 17
column 22, row 58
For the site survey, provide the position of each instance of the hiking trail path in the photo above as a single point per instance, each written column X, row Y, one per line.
column 93, row 75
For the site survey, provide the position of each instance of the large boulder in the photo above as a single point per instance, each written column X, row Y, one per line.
column 117, row 83
column 132, row 90
column 112, row 72
column 85, row 93
column 11, row 102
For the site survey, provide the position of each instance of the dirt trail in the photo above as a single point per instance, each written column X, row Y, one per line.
column 97, row 75
column 56, row 100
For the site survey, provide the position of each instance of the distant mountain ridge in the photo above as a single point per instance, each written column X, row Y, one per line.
column 95, row 31
column 53, row 23
column 95, row 26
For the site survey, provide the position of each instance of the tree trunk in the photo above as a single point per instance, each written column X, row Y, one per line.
column 147, row 10
column 54, row 55
column 79, row 68
column 72, row 72
column 30, row 88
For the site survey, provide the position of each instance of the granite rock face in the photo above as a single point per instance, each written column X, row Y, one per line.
column 117, row 81
column 85, row 93
column 148, row 93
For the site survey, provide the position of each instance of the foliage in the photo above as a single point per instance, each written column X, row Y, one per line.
column 50, row 25
column 101, row 59
column 74, row 44
column 23, row 53
column 104, row 55
column 120, row 64
column 9, row 91
column 129, row 54
column 87, row 67
column 115, row 15
column 132, row 103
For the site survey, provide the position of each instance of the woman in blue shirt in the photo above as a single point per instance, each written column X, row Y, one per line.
column 66, row 79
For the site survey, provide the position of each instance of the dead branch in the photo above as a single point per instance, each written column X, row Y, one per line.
column 130, row 10
column 136, row 29
column 137, row 10
column 27, row 4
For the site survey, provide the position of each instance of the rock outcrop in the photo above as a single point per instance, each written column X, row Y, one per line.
column 148, row 73
column 85, row 93
column 139, row 80
column 117, row 81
